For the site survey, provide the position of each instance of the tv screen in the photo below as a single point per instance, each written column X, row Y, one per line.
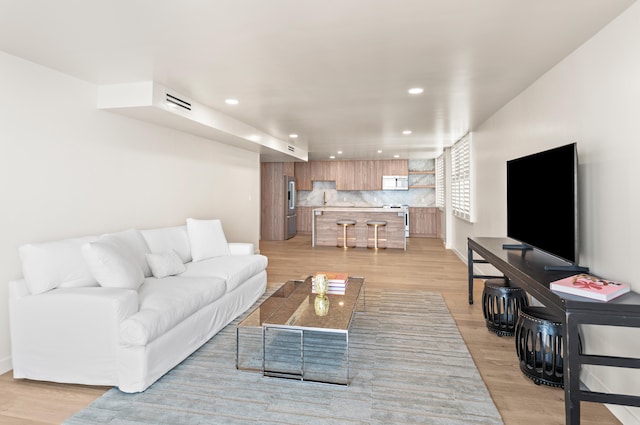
column 542, row 208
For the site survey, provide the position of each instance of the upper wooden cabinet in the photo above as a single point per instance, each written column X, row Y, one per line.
column 324, row 170
column 302, row 172
column 288, row 168
column 394, row 167
column 349, row 174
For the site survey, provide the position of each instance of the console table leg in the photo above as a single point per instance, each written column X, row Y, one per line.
column 571, row 371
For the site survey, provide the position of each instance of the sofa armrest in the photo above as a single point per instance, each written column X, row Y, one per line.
column 241, row 248
column 68, row 334
column 18, row 289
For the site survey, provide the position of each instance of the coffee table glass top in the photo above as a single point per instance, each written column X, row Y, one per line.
column 294, row 305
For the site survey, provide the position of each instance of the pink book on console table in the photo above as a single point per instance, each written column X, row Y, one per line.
column 586, row 285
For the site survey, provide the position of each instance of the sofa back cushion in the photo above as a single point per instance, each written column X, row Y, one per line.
column 49, row 265
column 207, row 239
column 131, row 244
column 166, row 239
column 111, row 265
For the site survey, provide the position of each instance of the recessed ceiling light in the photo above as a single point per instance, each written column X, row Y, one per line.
column 339, row 152
column 293, row 136
column 396, row 156
column 416, row 90
column 379, row 151
column 332, row 157
column 406, row 132
column 231, row 101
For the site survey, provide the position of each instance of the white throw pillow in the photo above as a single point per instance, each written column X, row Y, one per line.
column 49, row 265
column 207, row 239
column 165, row 264
column 111, row 267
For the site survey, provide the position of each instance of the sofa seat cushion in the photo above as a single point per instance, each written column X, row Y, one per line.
column 166, row 302
column 234, row 269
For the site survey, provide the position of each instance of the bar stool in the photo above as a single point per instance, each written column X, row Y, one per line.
column 500, row 305
column 377, row 241
column 343, row 233
column 538, row 337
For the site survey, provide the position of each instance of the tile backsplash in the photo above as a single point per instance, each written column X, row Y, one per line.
column 363, row 198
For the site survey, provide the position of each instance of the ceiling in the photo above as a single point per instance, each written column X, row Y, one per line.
column 334, row 72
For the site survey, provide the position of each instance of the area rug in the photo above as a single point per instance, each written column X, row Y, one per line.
column 409, row 365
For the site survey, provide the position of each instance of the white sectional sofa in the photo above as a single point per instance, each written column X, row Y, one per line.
column 122, row 309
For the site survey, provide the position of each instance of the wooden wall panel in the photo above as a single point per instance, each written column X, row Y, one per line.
column 272, row 201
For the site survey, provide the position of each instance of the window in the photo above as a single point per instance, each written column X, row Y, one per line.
column 440, row 181
column 461, row 197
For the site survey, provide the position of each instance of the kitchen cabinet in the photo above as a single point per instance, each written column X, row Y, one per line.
column 370, row 173
column 358, row 175
column 288, row 168
column 302, row 172
column 305, row 219
column 349, row 174
column 394, row 167
column 324, row 170
column 346, row 175
column 424, row 222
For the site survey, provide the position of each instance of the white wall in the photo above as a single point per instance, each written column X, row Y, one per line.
column 591, row 97
column 68, row 169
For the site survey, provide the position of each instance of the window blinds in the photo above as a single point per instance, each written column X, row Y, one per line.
column 440, row 181
column 461, row 179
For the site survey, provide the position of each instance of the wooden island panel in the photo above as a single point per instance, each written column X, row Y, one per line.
column 325, row 229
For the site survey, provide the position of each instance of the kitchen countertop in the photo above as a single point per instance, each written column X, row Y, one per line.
column 361, row 209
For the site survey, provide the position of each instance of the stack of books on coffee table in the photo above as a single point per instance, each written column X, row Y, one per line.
column 337, row 282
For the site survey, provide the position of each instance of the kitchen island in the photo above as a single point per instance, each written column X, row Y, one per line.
column 325, row 230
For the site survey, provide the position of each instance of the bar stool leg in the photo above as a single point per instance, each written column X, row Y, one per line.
column 344, row 236
column 375, row 236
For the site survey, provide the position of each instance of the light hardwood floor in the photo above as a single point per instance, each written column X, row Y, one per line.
column 425, row 265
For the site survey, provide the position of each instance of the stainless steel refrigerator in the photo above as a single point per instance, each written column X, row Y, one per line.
column 291, row 227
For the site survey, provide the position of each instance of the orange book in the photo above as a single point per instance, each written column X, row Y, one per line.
column 335, row 279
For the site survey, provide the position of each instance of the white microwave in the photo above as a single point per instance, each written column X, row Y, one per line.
column 395, row 182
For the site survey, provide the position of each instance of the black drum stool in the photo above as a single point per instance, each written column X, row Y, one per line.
column 539, row 342
column 500, row 305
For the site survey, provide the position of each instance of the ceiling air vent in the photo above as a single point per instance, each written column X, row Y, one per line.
column 173, row 100
column 291, row 148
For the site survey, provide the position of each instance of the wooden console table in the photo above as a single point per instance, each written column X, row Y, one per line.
column 526, row 269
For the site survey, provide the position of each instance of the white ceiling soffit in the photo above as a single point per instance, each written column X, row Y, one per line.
column 152, row 102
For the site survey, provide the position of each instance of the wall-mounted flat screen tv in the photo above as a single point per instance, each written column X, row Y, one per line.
column 542, row 201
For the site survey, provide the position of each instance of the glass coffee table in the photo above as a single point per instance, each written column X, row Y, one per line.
column 297, row 334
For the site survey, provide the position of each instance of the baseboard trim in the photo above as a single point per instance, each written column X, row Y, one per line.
column 624, row 414
column 5, row 365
